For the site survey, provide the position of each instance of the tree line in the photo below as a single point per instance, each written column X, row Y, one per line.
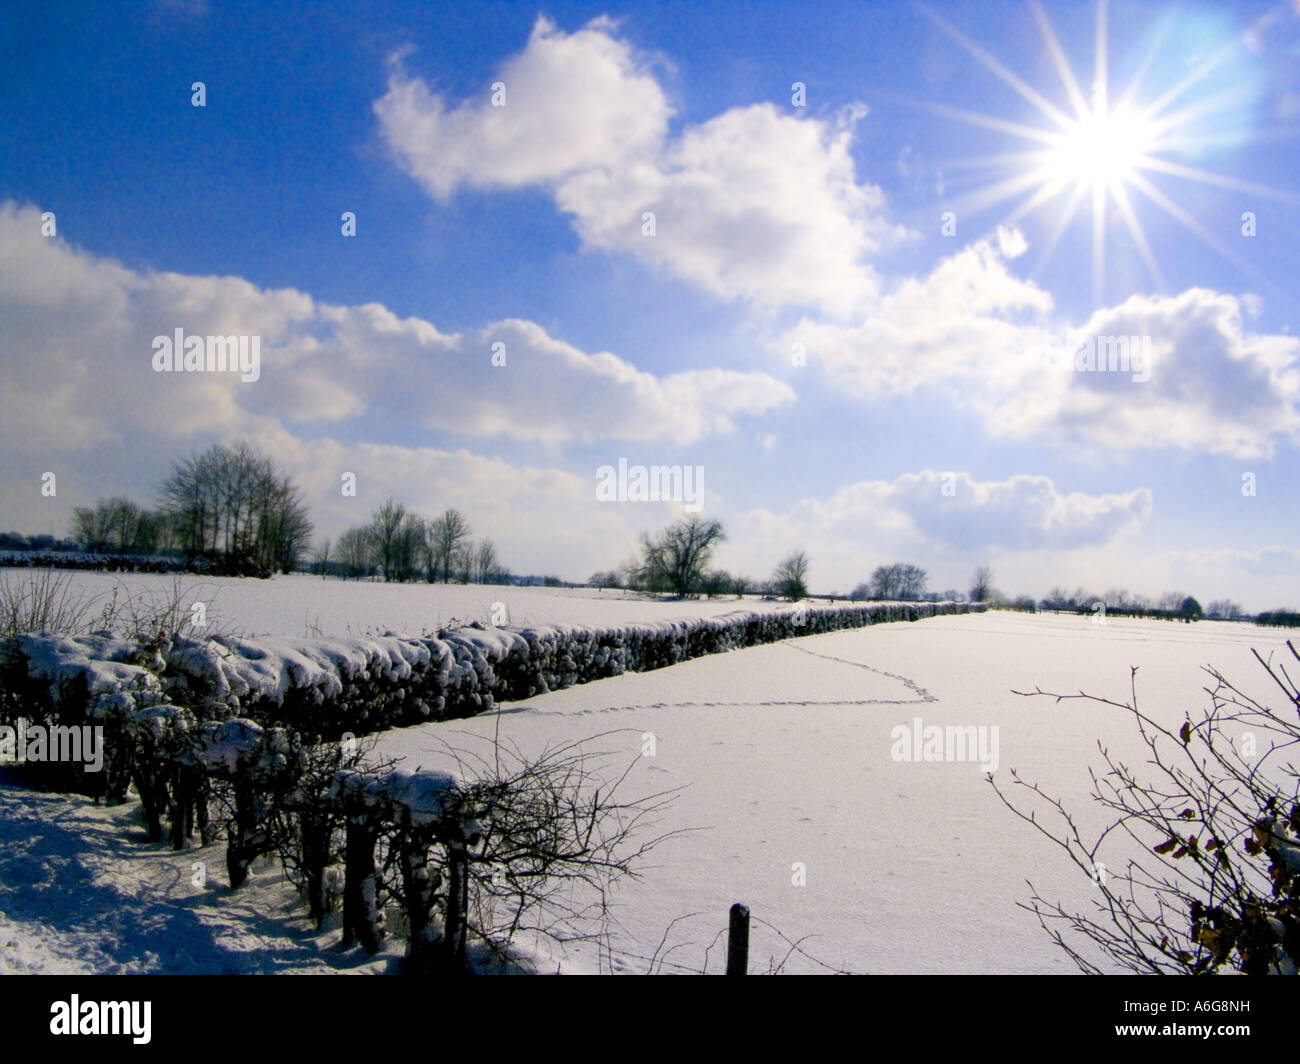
column 228, row 506
column 231, row 508
column 1172, row 605
column 677, row 560
column 403, row 546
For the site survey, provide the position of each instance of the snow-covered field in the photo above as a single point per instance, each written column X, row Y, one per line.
column 298, row 605
column 783, row 754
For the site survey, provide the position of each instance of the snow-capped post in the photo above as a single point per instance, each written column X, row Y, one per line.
column 420, row 886
column 738, row 941
column 457, row 900
column 360, row 886
column 357, row 795
column 421, row 804
column 315, row 826
column 257, row 763
column 164, row 769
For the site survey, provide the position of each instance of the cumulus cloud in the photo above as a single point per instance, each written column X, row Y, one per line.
column 962, row 328
column 571, row 102
column 1214, row 385
column 1273, row 561
column 953, row 510
column 81, row 331
column 753, row 204
column 931, row 517
column 975, row 333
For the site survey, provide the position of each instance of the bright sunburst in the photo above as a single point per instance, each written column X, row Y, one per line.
column 1100, row 151
column 1100, row 148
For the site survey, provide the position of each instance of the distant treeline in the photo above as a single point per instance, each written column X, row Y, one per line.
column 229, row 511
column 1279, row 618
column 225, row 511
column 402, row 546
column 1172, row 606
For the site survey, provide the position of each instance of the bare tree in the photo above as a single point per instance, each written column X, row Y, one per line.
column 321, row 557
column 115, row 525
column 741, row 585
column 1215, row 882
column 675, row 559
column 486, row 563
column 981, row 584
column 897, row 582
column 462, row 563
column 232, row 505
column 1171, row 601
column 1224, row 610
column 386, row 530
column 789, row 577
column 355, row 552
column 444, row 537
column 716, row 582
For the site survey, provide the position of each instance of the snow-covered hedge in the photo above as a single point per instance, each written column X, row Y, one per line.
column 125, row 563
column 328, row 687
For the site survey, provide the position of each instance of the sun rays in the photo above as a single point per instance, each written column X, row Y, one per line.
column 1101, row 150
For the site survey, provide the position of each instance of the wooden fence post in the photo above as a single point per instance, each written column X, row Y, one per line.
column 360, row 884
column 457, row 902
column 738, row 941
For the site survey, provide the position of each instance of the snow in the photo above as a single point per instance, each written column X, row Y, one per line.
column 300, row 604
column 422, row 793
column 362, row 681
column 230, row 742
column 236, row 668
column 84, row 667
column 82, row 892
column 782, row 756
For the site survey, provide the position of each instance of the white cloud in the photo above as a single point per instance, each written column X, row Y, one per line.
column 954, row 511
column 931, row 517
column 1011, row 242
column 572, row 102
column 541, row 519
column 960, row 328
column 753, row 204
column 81, row 331
column 976, row 334
column 1214, row 386
column 1272, row 562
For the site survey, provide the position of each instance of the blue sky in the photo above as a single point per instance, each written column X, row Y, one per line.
column 922, row 421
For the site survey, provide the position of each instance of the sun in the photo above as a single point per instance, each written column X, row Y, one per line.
column 1090, row 150
column 1100, row 149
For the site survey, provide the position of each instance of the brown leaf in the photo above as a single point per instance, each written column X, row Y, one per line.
column 1186, row 733
column 1165, row 847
